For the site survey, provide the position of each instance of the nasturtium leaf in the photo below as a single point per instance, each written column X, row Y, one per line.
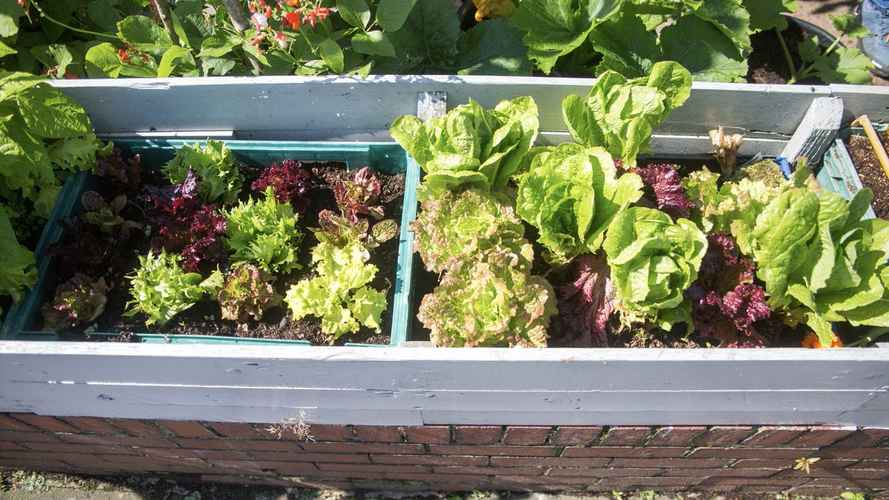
column 391, row 14
column 354, row 12
column 373, row 43
column 144, row 34
column 332, row 54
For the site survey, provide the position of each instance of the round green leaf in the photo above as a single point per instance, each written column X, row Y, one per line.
column 391, row 14
column 373, row 43
column 173, row 57
column 354, row 12
column 144, row 34
column 332, row 54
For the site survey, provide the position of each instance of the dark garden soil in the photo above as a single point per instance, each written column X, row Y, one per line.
column 767, row 63
column 870, row 171
column 204, row 317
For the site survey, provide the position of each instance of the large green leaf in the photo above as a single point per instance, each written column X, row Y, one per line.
column 354, row 12
column 218, row 45
column 176, row 59
column 553, row 28
column 102, row 61
column 427, row 41
column 626, row 45
column 51, row 114
column 332, row 54
column 844, row 65
column 493, row 48
column 767, row 14
column 730, row 18
column 373, row 43
column 704, row 50
column 55, row 57
column 144, row 34
column 391, row 14
column 104, row 14
column 10, row 12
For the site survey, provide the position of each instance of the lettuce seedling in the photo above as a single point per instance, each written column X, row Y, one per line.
column 456, row 227
column 359, row 194
column 339, row 294
column 19, row 270
column 570, row 193
column 470, row 146
column 124, row 174
column 107, row 215
column 213, row 164
column 341, row 230
column 77, row 302
column 248, row 292
column 264, row 232
column 620, row 114
column 490, row 300
column 653, row 260
column 161, row 289
column 291, row 183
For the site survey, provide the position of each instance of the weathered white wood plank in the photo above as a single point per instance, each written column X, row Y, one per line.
column 872, row 100
column 400, row 386
column 326, row 107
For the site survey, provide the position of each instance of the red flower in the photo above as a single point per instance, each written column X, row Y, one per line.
column 293, row 20
column 317, row 15
column 123, row 55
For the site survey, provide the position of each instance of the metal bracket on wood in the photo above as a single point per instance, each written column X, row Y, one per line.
column 431, row 104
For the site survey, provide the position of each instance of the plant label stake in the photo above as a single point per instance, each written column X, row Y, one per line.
column 874, row 141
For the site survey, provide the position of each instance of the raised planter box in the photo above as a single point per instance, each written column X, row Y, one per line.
column 417, row 386
column 23, row 320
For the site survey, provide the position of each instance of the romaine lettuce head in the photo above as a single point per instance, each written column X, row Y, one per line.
column 620, row 114
column 653, row 260
column 490, row 301
column 570, row 193
column 453, row 227
column 470, row 146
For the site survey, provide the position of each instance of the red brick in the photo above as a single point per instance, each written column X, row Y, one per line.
column 548, row 461
column 514, row 451
column 28, row 437
column 9, row 445
column 526, row 435
column 429, row 434
column 374, row 467
column 117, row 441
column 575, row 435
column 773, row 435
column 723, row 435
column 179, row 452
column 393, row 448
column 756, row 473
column 234, row 430
column 873, row 464
column 688, row 463
column 428, row 460
column 37, row 457
column 45, row 423
column 210, row 455
column 10, row 424
column 434, row 478
column 138, row 428
column 330, row 432
column 863, row 438
column 813, row 491
column 186, row 429
column 756, row 463
column 820, row 436
column 356, row 458
column 625, row 436
column 846, row 474
column 778, row 484
column 93, row 425
column 377, row 434
column 490, row 471
column 605, row 472
column 477, row 434
column 647, row 482
column 761, row 453
column 289, row 467
column 88, row 449
column 854, row 453
column 624, row 452
column 675, row 436
column 877, row 484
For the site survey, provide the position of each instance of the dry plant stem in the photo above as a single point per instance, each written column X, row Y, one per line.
column 874, row 141
column 162, row 10
column 236, row 14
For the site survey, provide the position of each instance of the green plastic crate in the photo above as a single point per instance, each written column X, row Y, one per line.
column 386, row 157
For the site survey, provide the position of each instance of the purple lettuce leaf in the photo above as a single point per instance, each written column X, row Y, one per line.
column 663, row 183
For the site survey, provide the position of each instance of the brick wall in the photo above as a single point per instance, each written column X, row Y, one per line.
column 736, row 459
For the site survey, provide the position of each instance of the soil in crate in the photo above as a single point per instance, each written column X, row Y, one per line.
column 204, row 317
column 870, row 172
column 767, row 62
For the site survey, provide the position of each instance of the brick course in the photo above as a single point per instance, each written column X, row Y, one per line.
column 719, row 459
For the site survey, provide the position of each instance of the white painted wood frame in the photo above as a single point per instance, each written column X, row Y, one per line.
column 417, row 385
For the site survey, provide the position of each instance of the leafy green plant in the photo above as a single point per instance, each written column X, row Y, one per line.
column 454, row 227
column 44, row 135
column 161, row 289
column 264, row 232
column 339, row 294
column 107, row 215
column 219, row 178
column 834, row 64
column 247, row 292
column 653, row 260
column 77, row 302
column 19, row 270
column 570, row 193
column 490, row 300
column 470, row 146
column 620, row 114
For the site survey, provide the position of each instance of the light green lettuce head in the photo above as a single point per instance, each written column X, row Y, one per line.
column 653, row 261
column 620, row 114
column 570, row 193
column 469, row 146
